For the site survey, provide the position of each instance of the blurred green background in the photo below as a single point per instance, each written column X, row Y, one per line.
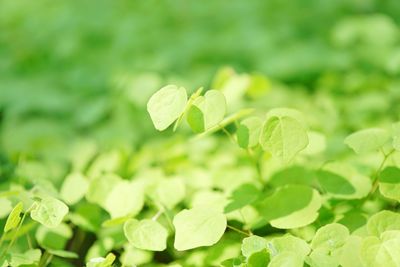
column 78, row 69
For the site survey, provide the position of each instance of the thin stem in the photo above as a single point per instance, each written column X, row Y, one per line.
column 238, row 230
column 158, row 214
column 257, row 165
column 231, row 138
column 14, row 237
column 375, row 180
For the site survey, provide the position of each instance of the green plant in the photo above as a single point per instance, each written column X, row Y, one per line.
column 247, row 189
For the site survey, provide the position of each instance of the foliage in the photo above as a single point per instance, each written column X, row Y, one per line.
column 111, row 154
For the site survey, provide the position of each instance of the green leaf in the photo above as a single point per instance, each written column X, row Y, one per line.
column 74, row 188
column 291, row 206
column 383, row 251
column 242, row 196
column 99, row 188
column 289, row 243
column 334, row 184
column 349, row 254
column 207, row 111
column 286, row 259
column 50, row 212
column 283, row 137
column 330, row 237
column 166, row 105
column 367, row 140
column 102, row 262
column 14, row 218
column 248, row 132
column 390, row 175
column 125, row 198
column 63, row 253
column 28, row 257
column 146, row 234
column 170, row 192
column 253, row 244
column 198, row 227
column 321, row 258
column 383, row 221
column 258, row 259
column 389, row 183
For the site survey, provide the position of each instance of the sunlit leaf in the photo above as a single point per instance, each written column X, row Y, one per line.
column 198, row 227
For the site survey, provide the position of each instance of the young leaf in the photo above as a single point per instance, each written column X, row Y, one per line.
column 253, row 244
column 207, row 111
column 166, row 105
column 146, row 234
column 291, row 206
column 383, row 221
column 248, row 132
column 124, row 198
column 287, row 259
column 170, row 192
column 74, row 188
column 63, row 253
column 330, row 237
column 14, row 217
column 335, row 184
column 258, row 259
column 383, row 251
column 289, row 243
column 320, row 257
column 242, row 196
column 50, row 212
column 283, row 137
column 367, row 140
column 27, row 258
column 198, row 227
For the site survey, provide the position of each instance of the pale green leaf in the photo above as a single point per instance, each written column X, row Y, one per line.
column 253, row 244
column 286, row 259
column 170, row 192
column 289, row 243
column 349, row 254
column 14, row 218
column 248, row 132
column 26, row 258
column 198, row 227
column 383, row 251
column 125, row 198
column 166, row 105
column 99, row 188
column 367, row 140
column 330, row 237
column 50, row 212
column 383, row 221
column 321, row 258
column 63, row 253
column 283, row 137
column 74, row 188
column 146, row 234
column 207, row 111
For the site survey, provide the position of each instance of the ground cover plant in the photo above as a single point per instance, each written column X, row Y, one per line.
column 184, row 134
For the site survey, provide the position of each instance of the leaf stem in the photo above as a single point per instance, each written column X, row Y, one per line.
column 238, row 230
column 375, row 180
